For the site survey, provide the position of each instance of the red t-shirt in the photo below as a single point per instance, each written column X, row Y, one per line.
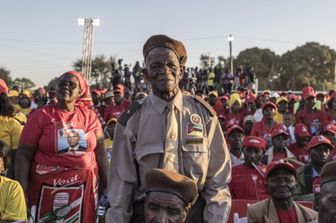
column 287, row 216
column 300, row 153
column 247, row 183
column 234, row 119
column 313, row 120
column 114, row 111
column 61, row 138
column 261, row 129
column 279, row 156
column 329, row 119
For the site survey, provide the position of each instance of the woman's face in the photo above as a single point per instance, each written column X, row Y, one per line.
column 68, row 89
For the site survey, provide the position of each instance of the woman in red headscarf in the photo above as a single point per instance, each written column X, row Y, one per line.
column 61, row 159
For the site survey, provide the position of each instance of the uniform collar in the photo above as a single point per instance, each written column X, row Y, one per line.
column 160, row 105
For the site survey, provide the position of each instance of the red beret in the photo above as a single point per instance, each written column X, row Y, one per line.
column 280, row 165
column 278, row 130
column 163, row 180
column 254, row 142
column 301, row 130
column 319, row 140
column 167, row 42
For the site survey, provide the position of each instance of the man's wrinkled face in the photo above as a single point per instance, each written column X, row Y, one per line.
column 281, row 184
column 235, row 139
column 163, row 207
column 163, row 70
column 252, row 155
column 327, row 203
column 320, row 154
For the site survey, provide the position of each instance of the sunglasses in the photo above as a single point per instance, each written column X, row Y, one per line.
column 71, row 84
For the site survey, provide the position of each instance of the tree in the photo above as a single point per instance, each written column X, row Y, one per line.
column 310, row 64
column 24, row 83
column 207, row 61
column 264, row 62
column 102, row 69
column 4, row 75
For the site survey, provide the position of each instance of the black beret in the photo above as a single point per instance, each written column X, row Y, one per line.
column 167, row 42
column 328, row 172
column 163, row 180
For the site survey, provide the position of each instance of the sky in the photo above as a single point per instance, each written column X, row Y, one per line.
column 40, row 39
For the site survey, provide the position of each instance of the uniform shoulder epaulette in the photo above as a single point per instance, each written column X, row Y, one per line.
column 205, row 104
column 127, row 114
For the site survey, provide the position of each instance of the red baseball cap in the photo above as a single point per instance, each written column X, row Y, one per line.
column 278, row 130
column 254, row 142
column 269, row 104
column 319, row 140
column 308, row 92
column 280, row 165
column 330, row 128
column 232, row 128
column 301, row 130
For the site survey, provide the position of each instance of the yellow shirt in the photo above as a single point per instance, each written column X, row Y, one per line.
column 278, row 118
column 12, row 200
column 211, row 78
column 10, row 131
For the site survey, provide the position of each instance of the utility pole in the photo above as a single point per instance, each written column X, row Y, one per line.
column 88, row 24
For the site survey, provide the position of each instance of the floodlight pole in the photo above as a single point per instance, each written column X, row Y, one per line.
column 230, row 39
column 87, row 44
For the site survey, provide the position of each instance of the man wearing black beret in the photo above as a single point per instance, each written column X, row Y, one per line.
column 168, row 130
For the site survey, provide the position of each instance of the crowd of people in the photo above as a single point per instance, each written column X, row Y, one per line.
column 179, row 145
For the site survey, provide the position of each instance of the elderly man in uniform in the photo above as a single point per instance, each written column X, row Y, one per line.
column 325, row 199
column 169, row 196
column 173, row 131
column 281, row 182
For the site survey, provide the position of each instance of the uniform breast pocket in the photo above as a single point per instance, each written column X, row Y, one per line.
column 195, row 156
column 148, row 157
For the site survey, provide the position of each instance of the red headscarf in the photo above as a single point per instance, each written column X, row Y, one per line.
column 85, row 97
column 3, row 87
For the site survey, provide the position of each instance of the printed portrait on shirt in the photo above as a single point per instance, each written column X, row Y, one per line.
column 71, row 140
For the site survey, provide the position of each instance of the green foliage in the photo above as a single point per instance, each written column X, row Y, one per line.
column 24, row 83
column 263, row 61
column 207, row 61
column 311, row 64
column 101, row 70
column 4, row 75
